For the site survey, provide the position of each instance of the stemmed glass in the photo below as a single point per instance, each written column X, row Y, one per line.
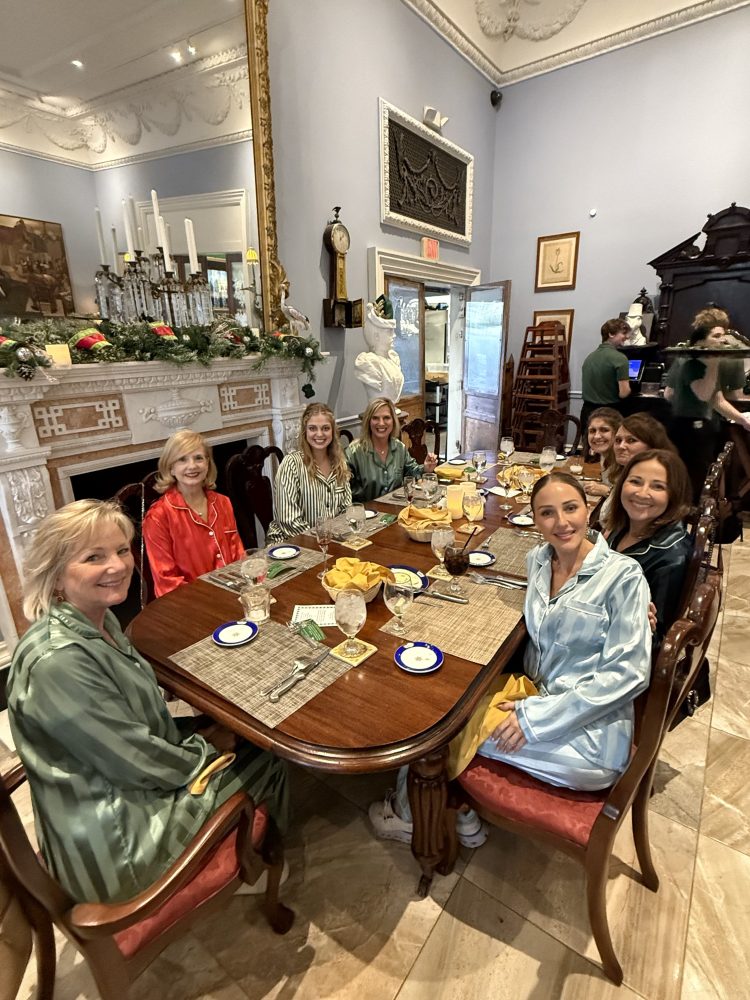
column 254, row 567
column 356, row 517
column 430, row 486
column 526, row 479
column 323, row 531
column 473, row 505
column 479, row 461
column 351, row 615
column 441, row 538
column 547, row 459
column 409, row 488
column 506, row 449
column 456, row 562
column 398, row 598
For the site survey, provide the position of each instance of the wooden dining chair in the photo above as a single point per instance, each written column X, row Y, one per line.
column 345, row 436
column 119, row 940
column 554, row 430
column 135, row 499
column 251, row 491
column 415, row 431
column 585, row 824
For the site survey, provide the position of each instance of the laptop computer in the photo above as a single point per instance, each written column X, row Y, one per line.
column 635, row 370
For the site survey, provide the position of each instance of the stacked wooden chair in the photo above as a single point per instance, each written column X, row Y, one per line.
column 542, row 382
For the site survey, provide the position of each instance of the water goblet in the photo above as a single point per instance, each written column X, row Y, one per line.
column 351, row 615
column 356, row 517
column 323, row 531
column 254, row 567
column 503, row 481
column 479, row 461
column 526, row 480
column 430, row 486
column 547, row 459
column 473, row 505
column 409, row 488
column 441, row 538
column 456, row 562
column 398, row 598
column 506, row 449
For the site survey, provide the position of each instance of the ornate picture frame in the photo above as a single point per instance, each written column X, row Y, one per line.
column 34, row 275
column 426, row 181
column 564, row 316
column 556, row 262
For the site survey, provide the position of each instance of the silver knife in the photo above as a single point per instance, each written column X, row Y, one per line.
column 508, row 581
column 438, row 596
column 298, row 674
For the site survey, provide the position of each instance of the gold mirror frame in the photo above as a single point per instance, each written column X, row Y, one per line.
column 272, row 273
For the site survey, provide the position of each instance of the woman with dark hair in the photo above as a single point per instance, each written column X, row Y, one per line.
column 649, row 503
column 600, row 434
column 378, row 460
column 638, row 432
column 588, row 653
column 694, row 390
column 312, row 482
column 190, row 530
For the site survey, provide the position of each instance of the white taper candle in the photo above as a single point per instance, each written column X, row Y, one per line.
column 100, row 236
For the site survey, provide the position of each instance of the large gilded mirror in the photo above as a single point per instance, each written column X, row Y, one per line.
column 101, row 103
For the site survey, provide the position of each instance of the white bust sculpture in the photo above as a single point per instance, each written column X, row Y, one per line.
column 634, row 319
column 379, row 368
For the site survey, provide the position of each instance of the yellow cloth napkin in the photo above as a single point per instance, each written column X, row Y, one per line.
column 450, row 471
column 486, row 718
column 419, row 517
column 200, row 784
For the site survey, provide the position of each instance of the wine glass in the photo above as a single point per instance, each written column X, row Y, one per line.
column 506, row 449
column 502, row 480
column 430, row 486
column 473, row 505
column 398, row 598
column 456, row 562
column 526, row 479
column 479, row 461
column 351, row 614
column 323, row 531
column 254, row 567
column 356, row 517
column 409, row 488
column 441, row 538
column 547, row 459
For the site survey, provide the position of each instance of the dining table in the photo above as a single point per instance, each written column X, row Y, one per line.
column 372, row 717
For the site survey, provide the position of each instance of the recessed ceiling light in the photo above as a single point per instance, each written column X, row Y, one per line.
column 176, row 55
column 77, row 63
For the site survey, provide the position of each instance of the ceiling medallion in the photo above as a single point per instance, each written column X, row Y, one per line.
column 504, row 17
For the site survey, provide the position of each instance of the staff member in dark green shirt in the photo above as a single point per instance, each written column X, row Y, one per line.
column 604, row 376
column 378, row 460
column 694, row 389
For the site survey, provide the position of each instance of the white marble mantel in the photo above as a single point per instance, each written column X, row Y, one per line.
column 111, row 414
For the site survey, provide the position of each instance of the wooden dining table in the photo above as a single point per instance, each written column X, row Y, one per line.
column 373, row 718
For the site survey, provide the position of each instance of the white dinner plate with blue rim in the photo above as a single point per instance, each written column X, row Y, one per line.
column 481, row 558
column 418, row 657
column 284, row 552
column 521, row 520
column 369, row 514
column 457, row 461
column 410, row 576
column 235, row 633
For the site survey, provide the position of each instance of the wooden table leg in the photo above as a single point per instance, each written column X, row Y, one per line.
column 434, row 843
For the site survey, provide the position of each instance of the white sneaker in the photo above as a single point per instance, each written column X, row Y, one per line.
column 259, row 886
column 387, row 823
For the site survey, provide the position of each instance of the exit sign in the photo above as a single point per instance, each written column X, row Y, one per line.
column 430, row 248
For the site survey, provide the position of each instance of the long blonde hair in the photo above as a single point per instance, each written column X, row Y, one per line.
column 335, row 452
column 58, row 537
column 179, row 444
column 365, row 435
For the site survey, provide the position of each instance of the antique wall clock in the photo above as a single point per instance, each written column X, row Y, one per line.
column 338, row 309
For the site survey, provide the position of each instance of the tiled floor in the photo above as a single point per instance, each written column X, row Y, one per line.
column 511, row 921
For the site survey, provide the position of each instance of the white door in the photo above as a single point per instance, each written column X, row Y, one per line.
column 485, row 336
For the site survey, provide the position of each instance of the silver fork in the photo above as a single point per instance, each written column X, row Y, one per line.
column 478, row 578
column 300, row 670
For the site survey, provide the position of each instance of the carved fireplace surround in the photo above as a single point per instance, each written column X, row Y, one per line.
column 103, row 416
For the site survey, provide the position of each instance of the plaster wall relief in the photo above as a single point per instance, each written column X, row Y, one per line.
column 240, row 399
column 524, row 19
column 25, row 499
column 199, row 411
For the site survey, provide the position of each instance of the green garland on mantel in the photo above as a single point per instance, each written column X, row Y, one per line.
column 101, row 342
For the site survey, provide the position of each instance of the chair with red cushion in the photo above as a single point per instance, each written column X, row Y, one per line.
column 584, row 824
column 119, row 940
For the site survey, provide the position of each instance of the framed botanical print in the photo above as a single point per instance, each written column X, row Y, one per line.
column 564, row 316
column 556, row 262
column 34, row 278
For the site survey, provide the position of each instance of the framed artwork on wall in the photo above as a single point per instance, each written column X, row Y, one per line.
column 556, row 262
column 564, row 316
column 34, row 277
column 426, row 181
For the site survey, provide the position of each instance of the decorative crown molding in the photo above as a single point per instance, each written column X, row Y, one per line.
column 429, row 12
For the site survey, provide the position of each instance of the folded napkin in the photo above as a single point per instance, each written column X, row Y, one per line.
column 500, row 491
column 200, row 784
column 485, row 719
column 451, row 471
column 276, row 569
column 423, row 517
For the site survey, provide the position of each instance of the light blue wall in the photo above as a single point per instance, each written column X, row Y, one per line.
column 330, row 61
column 40, row 189
column 654, row 136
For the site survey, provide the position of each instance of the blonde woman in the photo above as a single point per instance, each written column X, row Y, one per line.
column 378, row 459
column 313, row 482
column 109, row 769
column 191, row 529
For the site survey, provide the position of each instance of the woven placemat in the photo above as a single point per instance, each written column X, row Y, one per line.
column 510, row 549
column 241, row 674
column 232, row 579
column 342, row 529
column 474, row 631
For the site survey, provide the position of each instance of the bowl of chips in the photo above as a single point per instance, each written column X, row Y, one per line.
column 420, row 522
column 354, row 574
